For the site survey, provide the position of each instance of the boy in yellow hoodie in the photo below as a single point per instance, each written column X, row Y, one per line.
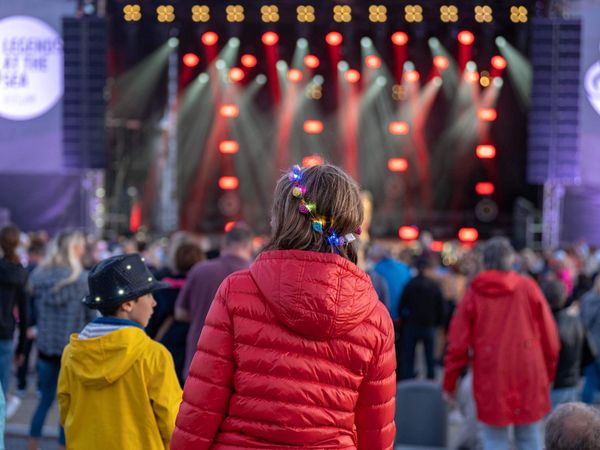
column 117, row 388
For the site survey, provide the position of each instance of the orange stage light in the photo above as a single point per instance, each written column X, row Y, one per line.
column 484, row 188
column 373, row 61
column 229, row 110
column 228, row 183
column 398, row 128
column 311, row 161
column 400, row 38
column 229, row 147
column 311, row 61
column 487, row 114
column 408, row 233
column 236, row 74
column 468, row 235
column 334, row 38
column 486, row 151
column 313, row 126
column 210, row 38
column 248, row 60
column 466, row 37
column 294, row 75
column 270, row 38
column 397, row 165
column 190, row 60
column 498, row 62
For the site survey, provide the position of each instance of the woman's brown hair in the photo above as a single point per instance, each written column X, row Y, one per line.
column 337, row 198
column 10, row 237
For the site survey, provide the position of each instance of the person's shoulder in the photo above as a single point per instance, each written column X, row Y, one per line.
column 156, row 351
column 380, row 319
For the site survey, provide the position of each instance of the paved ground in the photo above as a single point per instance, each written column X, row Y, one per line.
column 20, row 443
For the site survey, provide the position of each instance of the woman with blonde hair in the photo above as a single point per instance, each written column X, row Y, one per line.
column 59, row 285
column 297, row 351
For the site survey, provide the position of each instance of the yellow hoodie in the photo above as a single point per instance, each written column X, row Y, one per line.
column 118, row 391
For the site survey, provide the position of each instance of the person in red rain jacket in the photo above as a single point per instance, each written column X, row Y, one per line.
column 297, row 352
column 506, row 324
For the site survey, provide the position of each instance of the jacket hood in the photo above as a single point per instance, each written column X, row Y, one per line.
column 101, row 361
column 494, row 283
column 318, row 295
column 11, row 273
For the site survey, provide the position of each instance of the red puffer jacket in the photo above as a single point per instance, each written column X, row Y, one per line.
column 296, row 352
column 506, row 323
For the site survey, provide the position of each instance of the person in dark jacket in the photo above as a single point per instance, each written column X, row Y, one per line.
column 576, row 350
column 590, row 315
column 162, row 326
column 13, row 280
column 421, row 312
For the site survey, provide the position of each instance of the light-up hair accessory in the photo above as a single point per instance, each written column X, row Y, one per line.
column 309, row 209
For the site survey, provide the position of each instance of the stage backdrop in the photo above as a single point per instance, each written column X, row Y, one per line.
column 581, row 209
column 36, row 192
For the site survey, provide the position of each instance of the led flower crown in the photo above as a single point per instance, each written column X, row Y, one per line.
column 309, row 209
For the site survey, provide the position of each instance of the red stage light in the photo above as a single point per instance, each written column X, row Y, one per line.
column 210, row 38
column 311, row 161
column 334, row 38
column 311, row 61
column 352, row 76
column 228, row 183
column 229, row 147
column 486, row 151
column 472, row 77
column 373, row 61
column 398, row 128
column 270, row 38
column 441, row 62
column 294, row 75
column 437, row 246
column 236, row 74
column 397, row 164
column 412, row 76
column 190, row 60
column 468, row 234
column 484, row 188
column 408, row 233
column 229, row 111
column 400, row 38
column 313, row 126
column 229, row 226
column 487, row 114
column 466, row 37
column 248, row 60
column 498, row 62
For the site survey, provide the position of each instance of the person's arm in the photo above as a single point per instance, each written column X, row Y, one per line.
column 376, row 405
column 63, row 392
column 164, row 392
column 209, row 385
column 548, row 332
column 459, row 342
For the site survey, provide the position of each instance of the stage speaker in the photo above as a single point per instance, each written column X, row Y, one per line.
column 85, row 54
column 553, row 154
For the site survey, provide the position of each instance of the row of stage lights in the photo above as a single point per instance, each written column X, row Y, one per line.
column 340, row 13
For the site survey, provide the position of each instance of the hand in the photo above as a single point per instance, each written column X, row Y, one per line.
column 31, row 333
column 450, row 398
column 19, row 359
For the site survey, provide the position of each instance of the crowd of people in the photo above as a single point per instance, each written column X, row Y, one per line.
column 297, row 341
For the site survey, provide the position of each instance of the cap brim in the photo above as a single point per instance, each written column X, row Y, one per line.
column 89, row 301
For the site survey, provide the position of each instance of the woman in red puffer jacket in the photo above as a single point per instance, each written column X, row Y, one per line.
column 297, row 351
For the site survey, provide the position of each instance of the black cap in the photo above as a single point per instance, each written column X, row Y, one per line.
column 118, row 279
